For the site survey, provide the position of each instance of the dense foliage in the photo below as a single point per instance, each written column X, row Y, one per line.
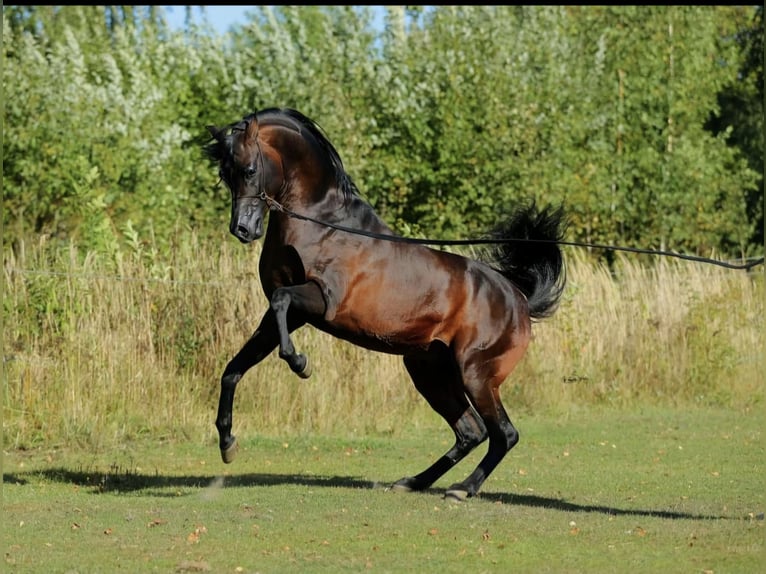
column 646, row 122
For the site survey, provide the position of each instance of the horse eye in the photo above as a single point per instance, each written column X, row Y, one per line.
column 249, row 171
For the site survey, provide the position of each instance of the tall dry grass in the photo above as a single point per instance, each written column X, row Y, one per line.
column 674, row 333
column 105, row 348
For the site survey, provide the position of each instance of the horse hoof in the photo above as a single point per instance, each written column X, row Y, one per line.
column 305, row 372
column 406, row 484
column 398, row 487
column 228, row 453
column 456, row 495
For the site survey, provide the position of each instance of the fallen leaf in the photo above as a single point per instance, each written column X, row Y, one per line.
column 193, row 537
column 108, row 531
column 433, row 532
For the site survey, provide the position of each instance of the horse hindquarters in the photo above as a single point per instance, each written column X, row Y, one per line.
column 483, row 369
column 491, row 333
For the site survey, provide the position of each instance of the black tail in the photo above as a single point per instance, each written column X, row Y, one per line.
column 534, row 264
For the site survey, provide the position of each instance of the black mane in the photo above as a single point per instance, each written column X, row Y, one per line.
column 295, row 120
column 343, row 179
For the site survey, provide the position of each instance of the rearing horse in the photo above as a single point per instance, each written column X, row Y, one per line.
column 460, row 324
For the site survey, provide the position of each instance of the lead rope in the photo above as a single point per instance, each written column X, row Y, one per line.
column 276, row 206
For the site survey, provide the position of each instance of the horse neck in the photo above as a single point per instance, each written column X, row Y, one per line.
column 311, row 194
column 313, row 187
column 310, row 181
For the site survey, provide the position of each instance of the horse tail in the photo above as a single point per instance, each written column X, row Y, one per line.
column 534, row 264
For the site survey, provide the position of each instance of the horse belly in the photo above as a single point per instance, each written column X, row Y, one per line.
column 388, row 332
column 396, row 302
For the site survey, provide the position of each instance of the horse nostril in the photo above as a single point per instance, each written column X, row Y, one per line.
column 242, row 231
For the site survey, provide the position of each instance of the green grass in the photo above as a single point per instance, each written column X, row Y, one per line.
column 649, row 489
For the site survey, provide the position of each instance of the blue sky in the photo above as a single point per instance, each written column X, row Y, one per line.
column 223, row 17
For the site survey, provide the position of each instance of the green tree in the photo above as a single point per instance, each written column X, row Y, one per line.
column 741, row 110
column 104, row 118
column 445, row 118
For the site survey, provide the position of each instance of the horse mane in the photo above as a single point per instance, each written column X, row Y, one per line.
column 216, row 150
column 295, row 120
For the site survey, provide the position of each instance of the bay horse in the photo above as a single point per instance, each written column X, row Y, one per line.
column 328, row 260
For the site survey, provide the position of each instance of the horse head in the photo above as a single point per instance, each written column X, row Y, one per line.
column 252, row 171
column 277, row 158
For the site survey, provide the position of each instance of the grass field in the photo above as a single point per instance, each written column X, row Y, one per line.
column 595, row 490
column 640, row 405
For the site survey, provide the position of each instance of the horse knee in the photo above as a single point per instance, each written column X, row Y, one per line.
column 230, row 379
column 280, row 300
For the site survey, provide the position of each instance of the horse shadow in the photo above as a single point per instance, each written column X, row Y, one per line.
column 118, row 480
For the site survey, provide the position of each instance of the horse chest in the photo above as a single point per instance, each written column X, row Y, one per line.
column 280, row 266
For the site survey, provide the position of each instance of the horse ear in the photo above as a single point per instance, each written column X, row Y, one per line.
column 217, row 133
column 252, row 130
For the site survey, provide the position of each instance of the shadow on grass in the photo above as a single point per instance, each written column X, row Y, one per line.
column 120, row 480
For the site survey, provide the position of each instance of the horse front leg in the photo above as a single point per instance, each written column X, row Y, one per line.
column 264, row 341
column 291, row 306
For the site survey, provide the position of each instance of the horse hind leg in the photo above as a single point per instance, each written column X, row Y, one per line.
column 503, row 436
column 437, row 378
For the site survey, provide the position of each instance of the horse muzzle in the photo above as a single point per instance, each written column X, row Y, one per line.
column 247, row 221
